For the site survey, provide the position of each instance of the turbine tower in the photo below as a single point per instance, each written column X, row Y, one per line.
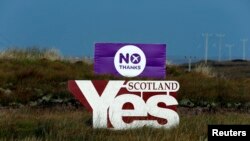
column 220, row 36
column 244, row 48
column 206, row 35
column 229, row 51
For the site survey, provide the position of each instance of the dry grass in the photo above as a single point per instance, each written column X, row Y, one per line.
column 205, row 70
column 74, row 124
column 31, row 54
column 23, row 77
column 28, row 75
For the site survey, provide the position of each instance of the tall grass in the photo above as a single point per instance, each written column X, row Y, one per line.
column 205, row 70
column 31, row 53
column 73, row 124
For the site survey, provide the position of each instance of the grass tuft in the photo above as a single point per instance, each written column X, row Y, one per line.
column 31, row 54
column 205, row 70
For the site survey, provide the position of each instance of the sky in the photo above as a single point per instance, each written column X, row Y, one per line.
column 75, row 26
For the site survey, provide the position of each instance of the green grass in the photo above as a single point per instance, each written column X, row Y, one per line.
column 74, row 124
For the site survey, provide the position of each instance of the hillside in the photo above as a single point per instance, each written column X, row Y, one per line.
column 36, row 105
column 42, row 82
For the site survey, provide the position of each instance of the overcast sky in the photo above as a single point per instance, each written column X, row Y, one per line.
column 73, row 26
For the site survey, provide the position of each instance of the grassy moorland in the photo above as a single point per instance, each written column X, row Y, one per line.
column 36, row 105
column 43, row 83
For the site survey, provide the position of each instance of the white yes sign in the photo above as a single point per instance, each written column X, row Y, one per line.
column 108, row 105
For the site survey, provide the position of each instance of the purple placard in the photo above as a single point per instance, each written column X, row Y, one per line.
column 131, row 60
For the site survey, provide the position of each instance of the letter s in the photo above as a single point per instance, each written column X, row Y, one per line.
column 244, row 133
column 130, row 86
column 170, row 115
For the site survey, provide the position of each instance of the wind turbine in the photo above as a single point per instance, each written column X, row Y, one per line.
column 229, row 51
column 206, row 35
column 220, row 36
column 244, row 48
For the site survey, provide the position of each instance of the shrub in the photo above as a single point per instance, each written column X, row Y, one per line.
column 205, row 70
